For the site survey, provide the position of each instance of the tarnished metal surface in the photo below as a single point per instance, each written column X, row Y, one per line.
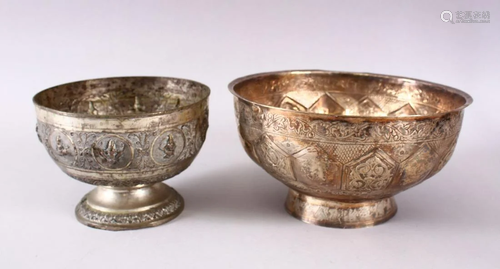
column 345, row 143
column 126, row 135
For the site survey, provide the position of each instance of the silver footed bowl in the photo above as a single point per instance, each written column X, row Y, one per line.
column 346, row 143
column 126, row 135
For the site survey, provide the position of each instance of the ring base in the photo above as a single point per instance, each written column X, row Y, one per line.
column 338, row 214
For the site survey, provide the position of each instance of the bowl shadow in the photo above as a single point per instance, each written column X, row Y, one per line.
column 248, row 193
column 236, row 193
column 438, row 207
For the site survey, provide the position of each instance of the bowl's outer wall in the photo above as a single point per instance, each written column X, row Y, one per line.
column 124, row 151
column 348, row 159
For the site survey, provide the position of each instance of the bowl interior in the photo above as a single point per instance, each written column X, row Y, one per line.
column 122, row 96
column 346, row 94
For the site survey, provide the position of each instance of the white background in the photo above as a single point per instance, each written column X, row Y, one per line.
column 234, row 215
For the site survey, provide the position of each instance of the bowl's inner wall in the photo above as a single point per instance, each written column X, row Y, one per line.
column 122, row 96
column 349, row 94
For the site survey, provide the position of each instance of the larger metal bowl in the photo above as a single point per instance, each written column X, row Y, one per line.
column 346, row 143
column 125, row 135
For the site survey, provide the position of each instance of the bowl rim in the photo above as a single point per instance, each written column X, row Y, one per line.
column 466, row 96
column 141, row 115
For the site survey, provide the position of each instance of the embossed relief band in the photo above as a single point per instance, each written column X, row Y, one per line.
column 343, row 131
column 131, row 151
column 363, row 158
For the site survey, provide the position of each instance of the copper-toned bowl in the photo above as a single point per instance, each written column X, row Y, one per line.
column 126, row 135
column 346, row 143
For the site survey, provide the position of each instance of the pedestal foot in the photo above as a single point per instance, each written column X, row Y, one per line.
column 113, row 208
